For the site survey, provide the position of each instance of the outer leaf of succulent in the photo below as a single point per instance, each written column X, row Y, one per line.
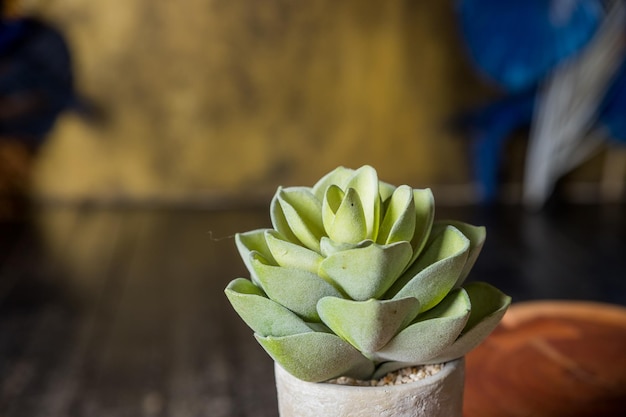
column 356, row 279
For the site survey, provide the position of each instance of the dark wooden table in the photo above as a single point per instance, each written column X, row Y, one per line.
column 120, row 312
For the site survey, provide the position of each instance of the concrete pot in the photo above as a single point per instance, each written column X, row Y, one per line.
column 440, row 395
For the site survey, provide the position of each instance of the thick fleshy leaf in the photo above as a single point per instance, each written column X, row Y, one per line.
column 486, row 301
column 317, row 357
column 431, row 333
column 261, row 314
column 253, row 241
column 343, row 216
column 399, row 221
column 476, row 236
column 488, row 307
column 330, row 204
column 292, row 255
column 385, row 190
column 424, row 216
column 367, row 272
column 329, row 247
column 296, row 212
column 434, row 273
column 340, row 176
column 367, row 325
column 279, row 221
column 365, row 182
column 296, row 289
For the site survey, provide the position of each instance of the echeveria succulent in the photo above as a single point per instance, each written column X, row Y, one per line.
column 357, row 279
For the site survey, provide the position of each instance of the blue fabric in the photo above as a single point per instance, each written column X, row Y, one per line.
column 613, row 108
column 514, row 43
column 491, row 126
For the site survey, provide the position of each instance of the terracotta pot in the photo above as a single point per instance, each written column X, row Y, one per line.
column 440, row 395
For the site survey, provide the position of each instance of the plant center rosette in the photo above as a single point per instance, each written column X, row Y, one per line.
column 356, row 279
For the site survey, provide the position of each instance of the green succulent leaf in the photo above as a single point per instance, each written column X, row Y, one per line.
column 430, row 333
column 488, row 307
column 385, row 190
column 486, row 300
column 261, row 314
column 296, row 289
column 436, row 271
column 476, row 236
column 355, row 274
column 343, row 216
column 329, row 247
column 365, row 182
column 291, row 255
column 367, row 272
column 367, row 325
column 331, row 202
column 399, row 221
column 424, row 216
column 317, row 357
column 253, row 241
column 297, row 213
column 340, row 177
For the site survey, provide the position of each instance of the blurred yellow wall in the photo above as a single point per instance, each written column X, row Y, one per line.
column 219, row 98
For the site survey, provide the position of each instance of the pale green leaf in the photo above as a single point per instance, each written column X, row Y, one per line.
column 329, row 246
column 431, row 333
column 279, row 221
column 292, row 255
column 399, row 222
column 436, row 271
column 424, row 216
column 476, row 236
column 296, row 289
column 317, row 357
column 365, row 182
column 367, row 325
column 300, row 215
column 488, row 307
column 340, row 177
column 343, row 216
column 261, row 314
column 330, row 204
column 253, row 241
column 367, row 272
column 385, row 190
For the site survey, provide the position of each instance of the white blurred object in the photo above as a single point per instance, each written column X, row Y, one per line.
column 563, row 132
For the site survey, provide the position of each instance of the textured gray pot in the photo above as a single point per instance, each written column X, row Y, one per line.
column 440, row 395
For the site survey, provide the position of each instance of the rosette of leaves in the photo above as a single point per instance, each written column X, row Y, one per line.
column 357, row 279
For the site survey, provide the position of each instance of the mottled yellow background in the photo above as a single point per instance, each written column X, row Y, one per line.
column 211, row 99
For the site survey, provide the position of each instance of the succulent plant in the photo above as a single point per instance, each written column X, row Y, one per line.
column 357, row 279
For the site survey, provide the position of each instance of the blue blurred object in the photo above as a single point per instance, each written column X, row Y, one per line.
column 491, row 126
column 517, row 42
column 612, row 111
column 36, row 79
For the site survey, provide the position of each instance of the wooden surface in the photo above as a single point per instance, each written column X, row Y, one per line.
column 121, row 312
column 551, row 359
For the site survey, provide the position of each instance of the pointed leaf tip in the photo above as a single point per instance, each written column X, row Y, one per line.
column 367, row 325
column 261, row 314
column 317, row 357
column 399, row 221
column 343, row 216
column 488, row 307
